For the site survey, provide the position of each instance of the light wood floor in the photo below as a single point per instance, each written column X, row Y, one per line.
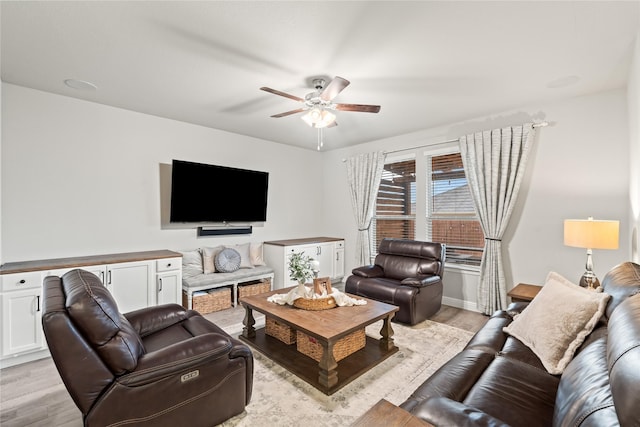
column 32, row 394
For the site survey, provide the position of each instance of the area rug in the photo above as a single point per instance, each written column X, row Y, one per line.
column 282, row 399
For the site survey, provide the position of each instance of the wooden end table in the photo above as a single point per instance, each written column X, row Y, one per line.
column 386, row 414
column 523, row 292
column 327, row 327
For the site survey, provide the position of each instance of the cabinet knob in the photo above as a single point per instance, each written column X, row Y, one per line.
column 22, row 282
column 169, row 265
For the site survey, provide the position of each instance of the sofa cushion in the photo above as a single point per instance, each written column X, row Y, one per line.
column 227, row 260
column 245, row 254
column 256, row 252
column 95, row 312
column 515, row 392
column 203, row 281
column 584, row 393
column 208, row 258
column 623, row 358
column 621, row 282
column 192, row 260
column 557, row 321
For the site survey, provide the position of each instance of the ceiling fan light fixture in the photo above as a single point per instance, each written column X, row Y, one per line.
column 318, row 117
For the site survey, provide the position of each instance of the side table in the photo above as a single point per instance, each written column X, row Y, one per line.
column 523, row 292
column 386, row 414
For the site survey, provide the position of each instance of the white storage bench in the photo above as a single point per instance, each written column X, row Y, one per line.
column 202, row 282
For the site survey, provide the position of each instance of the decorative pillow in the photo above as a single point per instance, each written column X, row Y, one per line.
column 557, row 321
column 208, row 256
column 192, row 260
column 257, row 258
column 227, row 261
column 245, row 255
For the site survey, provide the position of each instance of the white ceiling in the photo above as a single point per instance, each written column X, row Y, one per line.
column 426, row 63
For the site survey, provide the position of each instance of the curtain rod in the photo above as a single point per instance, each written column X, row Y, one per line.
column 535, row 125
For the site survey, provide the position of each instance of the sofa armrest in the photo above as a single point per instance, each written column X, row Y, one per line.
column 151, row 319
column 368, row 271
column 178, row 358
column 418, row 282
column 442, row 411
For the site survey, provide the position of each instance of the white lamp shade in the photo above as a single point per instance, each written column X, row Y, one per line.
column 591, row 234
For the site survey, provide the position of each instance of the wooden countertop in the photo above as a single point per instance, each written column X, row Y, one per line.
column 74, row 262
column 303, row 241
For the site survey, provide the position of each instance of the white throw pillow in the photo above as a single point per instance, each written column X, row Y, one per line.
column 557, row 321
column 257, row 258
column 208, row 257
column 245, row 254
column 192, row 262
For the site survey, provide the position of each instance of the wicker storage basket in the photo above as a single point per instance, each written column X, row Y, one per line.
column 344, row 347
column 279, row 331
column 254, row 287
column 213, row 300
column 315, row 304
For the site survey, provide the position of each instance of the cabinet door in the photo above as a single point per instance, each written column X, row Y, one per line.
column 98, row 270
column 324, row 254
column 21, row 321
column 321, row 252
column 169, row 287
column 131, row 284
column 338, row 261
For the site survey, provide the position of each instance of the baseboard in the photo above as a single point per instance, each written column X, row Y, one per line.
column 24, row 358
column 458, row 303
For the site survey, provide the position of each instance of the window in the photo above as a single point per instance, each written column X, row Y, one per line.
column 451, row 217
column 395, row 213
column 443, row 211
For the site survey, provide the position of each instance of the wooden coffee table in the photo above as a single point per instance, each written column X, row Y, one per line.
column 327, row 327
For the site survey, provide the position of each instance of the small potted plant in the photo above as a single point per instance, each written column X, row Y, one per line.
column 300, row 269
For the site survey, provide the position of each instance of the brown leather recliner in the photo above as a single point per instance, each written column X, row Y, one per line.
column 157, row 366
column 406, row 273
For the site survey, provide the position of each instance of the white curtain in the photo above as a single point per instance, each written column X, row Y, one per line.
column 494, row 162
column 364, row 173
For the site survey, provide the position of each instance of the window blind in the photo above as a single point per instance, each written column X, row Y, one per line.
column 451, row 216
column 396, row 203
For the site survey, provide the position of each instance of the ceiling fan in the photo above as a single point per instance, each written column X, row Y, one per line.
column 318, row 103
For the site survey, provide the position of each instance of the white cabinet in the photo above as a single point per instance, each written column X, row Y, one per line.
column 169, row 281
column 136, row 280
column 322, row 249
column 131, row 284
column 21, row 313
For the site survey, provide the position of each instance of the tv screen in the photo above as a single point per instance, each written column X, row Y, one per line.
column 211, row 193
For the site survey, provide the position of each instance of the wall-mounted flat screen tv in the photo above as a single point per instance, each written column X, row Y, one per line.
column 210, row 193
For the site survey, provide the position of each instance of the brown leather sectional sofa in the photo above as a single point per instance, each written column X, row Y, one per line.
column 497, row 380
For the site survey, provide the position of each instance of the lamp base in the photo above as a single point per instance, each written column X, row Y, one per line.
column 589, row 281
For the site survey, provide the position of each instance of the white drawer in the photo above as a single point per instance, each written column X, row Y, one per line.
column 340, row 244
column 167, row 264
column 13, row 282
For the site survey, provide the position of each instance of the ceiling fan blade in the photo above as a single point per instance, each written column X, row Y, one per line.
column 358, row 107
column 334, row 87
column 288, row 113
column 286, row 95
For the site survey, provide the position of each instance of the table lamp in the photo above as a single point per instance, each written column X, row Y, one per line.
column 591, row 234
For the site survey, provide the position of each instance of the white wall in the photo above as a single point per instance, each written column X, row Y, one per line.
column 80, row 178
column 633, row 100
column 578, row 168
